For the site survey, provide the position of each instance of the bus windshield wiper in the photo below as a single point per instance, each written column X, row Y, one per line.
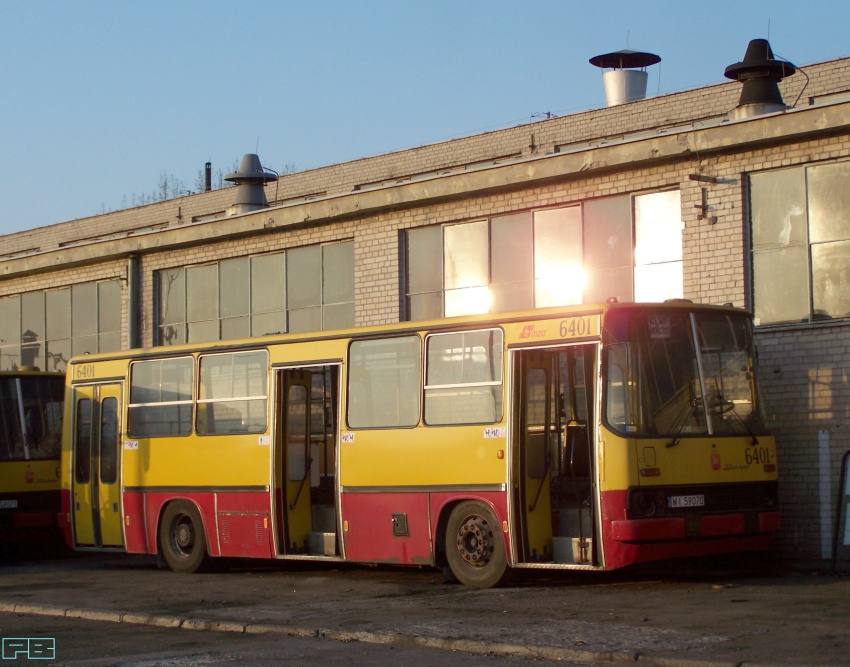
column 683, row 418
column 722, row 405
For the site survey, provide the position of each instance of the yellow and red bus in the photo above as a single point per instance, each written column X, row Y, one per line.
column 578, row 438
column 30, row 443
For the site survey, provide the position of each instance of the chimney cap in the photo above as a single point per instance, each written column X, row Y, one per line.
column 624, row 59
column 251, row 171
column 759, row 61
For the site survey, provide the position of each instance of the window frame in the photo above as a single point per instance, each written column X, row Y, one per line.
column 356, row 371
column 763, row 292
column 203, row 401
column 435, row 390
column 141, row 405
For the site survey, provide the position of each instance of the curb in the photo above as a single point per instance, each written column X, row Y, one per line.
column 469, row 646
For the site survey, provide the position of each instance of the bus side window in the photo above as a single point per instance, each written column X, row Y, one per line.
column 616, row 394
column 82, row 441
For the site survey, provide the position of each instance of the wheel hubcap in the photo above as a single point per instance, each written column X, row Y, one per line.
column 475, row 541
column 184, row 535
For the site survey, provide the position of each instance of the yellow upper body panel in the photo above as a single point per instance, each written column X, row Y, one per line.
column 25, row 476
column 626, row 462
column 424, row 456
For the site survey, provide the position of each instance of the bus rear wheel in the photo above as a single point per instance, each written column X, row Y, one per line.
column 184, row 545
column 475, row 548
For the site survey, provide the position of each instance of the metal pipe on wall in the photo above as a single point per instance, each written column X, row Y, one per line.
column 133, row 302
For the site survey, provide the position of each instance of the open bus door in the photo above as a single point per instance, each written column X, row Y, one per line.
column 307, row 450
column 95, row 451
column 554, row 391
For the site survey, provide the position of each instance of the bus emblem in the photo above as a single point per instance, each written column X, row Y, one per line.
column 715, row 461
column 529, row 332
column 30, row 476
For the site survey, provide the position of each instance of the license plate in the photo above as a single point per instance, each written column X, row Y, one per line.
column 8, row 504
column 685, row 501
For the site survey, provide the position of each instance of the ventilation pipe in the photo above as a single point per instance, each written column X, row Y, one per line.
column 626, row 82
column 249, row 180
column 760, row 74
column 208, row 177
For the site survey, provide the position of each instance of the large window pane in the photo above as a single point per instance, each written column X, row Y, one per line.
column 10, row 333
column 658, row 228
column 830, row 279
column 304, row 277
column 778, row 201
column 265, row 324
column 84, row 309
column 338, row 273
column 780, row 285
column 511, row 263
column 109, row 308
column 425, row 306
column 610, row 283
column 172, row 334
column 268, row 286
column 425, row 260
column 608, row 248
column 172, row 296
column 58, row 310
column 658, row 282
column 468, row 301
column 84, row 318
column 658, row 246
column 200, row 332
column 234, row 286
column 58, row 354
column 511, row 249
column 305, row 319
column 236, row 327
column 559, row 275
column 202, row 293
column 338, row 316
column 511, row 296
column 829, row 202
column 466, row 255
column 801, row 235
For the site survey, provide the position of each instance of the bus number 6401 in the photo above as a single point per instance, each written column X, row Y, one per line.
column 757, row 455
column 575, row 326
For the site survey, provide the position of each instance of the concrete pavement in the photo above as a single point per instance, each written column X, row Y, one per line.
column 652, row 617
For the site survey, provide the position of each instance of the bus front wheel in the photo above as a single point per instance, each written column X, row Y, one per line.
column 184, row 545
column 475, row 548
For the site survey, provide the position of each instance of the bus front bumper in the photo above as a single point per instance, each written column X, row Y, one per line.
column 694, row 527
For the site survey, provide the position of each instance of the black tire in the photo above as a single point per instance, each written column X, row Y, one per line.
column 475, row 547
column 181, row 535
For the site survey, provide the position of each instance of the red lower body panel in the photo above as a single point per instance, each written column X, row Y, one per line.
column 403, row 528
column 627, row 541
column 235, row 524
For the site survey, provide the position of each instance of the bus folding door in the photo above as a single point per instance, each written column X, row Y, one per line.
column 96, row 454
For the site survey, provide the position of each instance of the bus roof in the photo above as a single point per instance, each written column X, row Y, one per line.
column 442, row 324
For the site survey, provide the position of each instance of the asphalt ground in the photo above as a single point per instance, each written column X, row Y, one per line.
column 715, row 613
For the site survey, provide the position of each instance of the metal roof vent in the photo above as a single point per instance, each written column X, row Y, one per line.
column 249, row 180
column 760, row 73
column 626, row 82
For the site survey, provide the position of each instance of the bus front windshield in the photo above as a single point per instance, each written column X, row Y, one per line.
column 677, row 373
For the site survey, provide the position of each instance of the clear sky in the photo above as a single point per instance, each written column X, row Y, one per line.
column 100, row 98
